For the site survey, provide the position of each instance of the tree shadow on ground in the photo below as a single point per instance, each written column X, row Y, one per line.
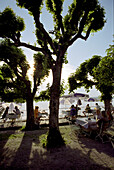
column 64, row 158
column 31, row 155
column 98, row 145
column 4, row 137
column 91, row 143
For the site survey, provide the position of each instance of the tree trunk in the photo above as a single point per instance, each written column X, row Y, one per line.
column 30, row 125
column 107, row 105
column 54, row 138
column 30, row 115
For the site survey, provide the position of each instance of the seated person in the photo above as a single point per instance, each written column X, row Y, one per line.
column 17, row 111
column 100, row 125
column 99, row 115
column 76, row 110
column 88, row 109
column 98, row 109
column 4, row 116
column 37, row 115
column 95, row 125
column 104, row 119
column 72, row 112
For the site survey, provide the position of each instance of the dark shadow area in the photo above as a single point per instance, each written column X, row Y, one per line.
column 22, row 155
column 4, row 137
column 96, row 144
column 66, row 158
column 10, row 128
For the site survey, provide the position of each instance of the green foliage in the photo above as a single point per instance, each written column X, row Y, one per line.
column 11, row 89
column 13, row 72
column 10, row 24
column 43, row 140
column 62, row 88
column 104, row 75
column 91, row 63
column 44, row 95
column 96, row 71
column 82, row 75
column 33, row 6
column 55, row 7
column 110, row 50
column 88, row 13
column 83, row 17
column 1, row 76
column 41, row 65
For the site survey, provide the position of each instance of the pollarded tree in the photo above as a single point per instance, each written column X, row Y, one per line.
column 104, row 75
column 83, row 17
column 98, row 72
column 14, row 81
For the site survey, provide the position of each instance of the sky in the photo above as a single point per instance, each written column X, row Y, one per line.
column 80, row 51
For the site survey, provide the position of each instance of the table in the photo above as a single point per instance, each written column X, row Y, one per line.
column 84, row 120
column 12, row 116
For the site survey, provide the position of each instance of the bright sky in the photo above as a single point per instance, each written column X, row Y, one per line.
column 81, row 50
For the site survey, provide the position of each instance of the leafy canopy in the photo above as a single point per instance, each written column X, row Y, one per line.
column 10, row 24
column 83, row 17
column 13, row 72
column 96, row 71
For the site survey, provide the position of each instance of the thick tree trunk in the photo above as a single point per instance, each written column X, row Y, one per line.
column 54, row 138
column 30, row 125
column 30, row 115
column 107, row 105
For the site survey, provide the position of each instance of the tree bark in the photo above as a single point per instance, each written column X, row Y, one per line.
column 54, row 138
column 30, row 125
column 30, row 115
column 107, row 105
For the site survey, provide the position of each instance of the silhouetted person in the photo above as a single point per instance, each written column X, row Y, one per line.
column 5, row 114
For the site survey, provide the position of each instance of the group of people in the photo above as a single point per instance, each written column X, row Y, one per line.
column 15, row 111
column 98, row 114
column 102, row 117
column 89, row 110
column 74, row 110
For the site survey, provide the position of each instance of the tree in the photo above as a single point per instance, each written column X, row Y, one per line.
column 83, row 17
column 98, row 72
column 14, row 82
column 104, row 75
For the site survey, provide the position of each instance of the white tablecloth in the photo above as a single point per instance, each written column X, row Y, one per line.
column 83, row 120
column 12, row 116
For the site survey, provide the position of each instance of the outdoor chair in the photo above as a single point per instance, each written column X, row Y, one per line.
column 102, row 135
column 89, row 132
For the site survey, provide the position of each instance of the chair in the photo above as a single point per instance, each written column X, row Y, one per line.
column 88, row 129
column 102, row 135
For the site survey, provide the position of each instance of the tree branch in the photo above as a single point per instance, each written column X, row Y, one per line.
column 48, row 39
column 87, row 33
column 30, row 47
column 81, row 27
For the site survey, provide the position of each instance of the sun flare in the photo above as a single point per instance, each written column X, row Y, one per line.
column 31, row 70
